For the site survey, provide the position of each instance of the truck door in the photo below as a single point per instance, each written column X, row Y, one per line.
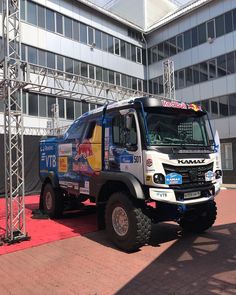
column 125, row 150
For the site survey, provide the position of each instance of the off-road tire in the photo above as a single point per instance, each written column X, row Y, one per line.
column 200, row 218
column 139, row 225
column 53, row 207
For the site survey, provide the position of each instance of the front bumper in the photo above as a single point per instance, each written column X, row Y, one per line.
column 177, row 197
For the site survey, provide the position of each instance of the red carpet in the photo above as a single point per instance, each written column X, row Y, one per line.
column 44, row 231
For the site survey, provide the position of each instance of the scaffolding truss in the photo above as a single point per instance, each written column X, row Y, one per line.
column 11, row 92
column 169, row 79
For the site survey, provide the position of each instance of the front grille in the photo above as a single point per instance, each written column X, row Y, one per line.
column 192, row 176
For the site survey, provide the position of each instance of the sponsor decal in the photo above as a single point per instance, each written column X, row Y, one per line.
column 126, row 159
column 174, row 104
column 85, row 189
column 149, row 162
column 65, row 149
column 191, row 161
column 209, row 176
column 173, row 178
column 194, row 107
column 62, row 164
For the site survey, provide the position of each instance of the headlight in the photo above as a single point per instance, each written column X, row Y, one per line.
column 159, row 178
column 218, row 174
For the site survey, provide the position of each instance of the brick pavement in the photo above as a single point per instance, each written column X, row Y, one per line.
column 172, row 264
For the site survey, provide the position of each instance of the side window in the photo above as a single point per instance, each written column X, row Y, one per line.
column 76, row 130
column 124, row 132
column 90, row 130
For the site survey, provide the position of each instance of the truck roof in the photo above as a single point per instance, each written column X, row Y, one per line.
column 148, row 102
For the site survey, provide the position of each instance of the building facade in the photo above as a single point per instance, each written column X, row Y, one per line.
column 78, row 38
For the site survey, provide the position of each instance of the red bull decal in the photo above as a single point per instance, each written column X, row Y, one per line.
column 174, row 104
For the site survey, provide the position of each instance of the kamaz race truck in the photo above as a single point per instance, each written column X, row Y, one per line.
column 142, row 161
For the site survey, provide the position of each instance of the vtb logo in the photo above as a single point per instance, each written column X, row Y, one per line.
column 191, row 161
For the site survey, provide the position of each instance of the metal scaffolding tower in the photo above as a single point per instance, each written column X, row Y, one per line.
column 13, row 123
column 169, row 79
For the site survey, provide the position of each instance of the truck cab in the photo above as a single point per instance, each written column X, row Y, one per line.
column 142, row 161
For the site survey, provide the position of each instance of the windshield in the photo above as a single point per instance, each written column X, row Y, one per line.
column 176, row 127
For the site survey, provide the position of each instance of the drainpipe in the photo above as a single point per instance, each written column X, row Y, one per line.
column 147, row 65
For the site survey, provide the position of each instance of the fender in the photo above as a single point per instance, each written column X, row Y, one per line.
column 128, row 179
column 53, row 178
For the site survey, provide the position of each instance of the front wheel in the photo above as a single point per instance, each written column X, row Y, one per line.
column 199, row 218
column 128, row 227
column 52, row 201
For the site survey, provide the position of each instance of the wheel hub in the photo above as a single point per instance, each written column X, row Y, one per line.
column 120, row 221
column 48, row 200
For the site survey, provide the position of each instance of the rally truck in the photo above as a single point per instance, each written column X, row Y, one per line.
column 141, row 161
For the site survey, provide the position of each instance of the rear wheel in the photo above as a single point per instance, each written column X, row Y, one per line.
column 128, row 227
column 52, row 201
column 200, row 218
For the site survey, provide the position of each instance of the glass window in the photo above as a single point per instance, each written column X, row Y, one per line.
column 117, row 46
column 104, row 42
column 23, row 51
column 98, row 39
column 42, row 106
column 91, row 72
column 214, row 107
column 220, row 25
column 60, row 64
column 24, row 102
column 32, row 55
column 128, row 51
column 83, row 33
column 181, row 78
column 232, row 104
column 50, row 20
column 110, row 44
column 41, row 17
column 161, row 88
column 51, row 102
column 224, row 106
column 221, row 66
column 194, row 36
column 155, row 86
column 196, row 74
column 166, row 49
column 118, row 80
column 154, row 53
column 202, row 33
column 75, row 30
column 92, row 106
column 211, row 29
column 212, row 69
column 77, row 67
column 180, row 44
column 139, row 55
column 90, row 35
column 189, row 76
column 123, row 48
column 84, row 69
column 22, row 9
column 68, row 27
column 187, row 40
column 98, row 74
column 32, row 13
column 105, row 75
column 59, row 24
column 111, row 77
column 124, row 80
column 203, row 72
column 70, row 109
column 33, row 104
column 78, row 109
column 51, row 60
column 140, row 85
column 134, row 83
column 85, row 107
column 228, row 22
column 129, row 84
column 230, row 63
column 42, row 58
column 227, row 156
column 69, row 65
column 161, row 54
column 61, row 107
column 133, row 53
column 172, row 44
column 234, row 18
